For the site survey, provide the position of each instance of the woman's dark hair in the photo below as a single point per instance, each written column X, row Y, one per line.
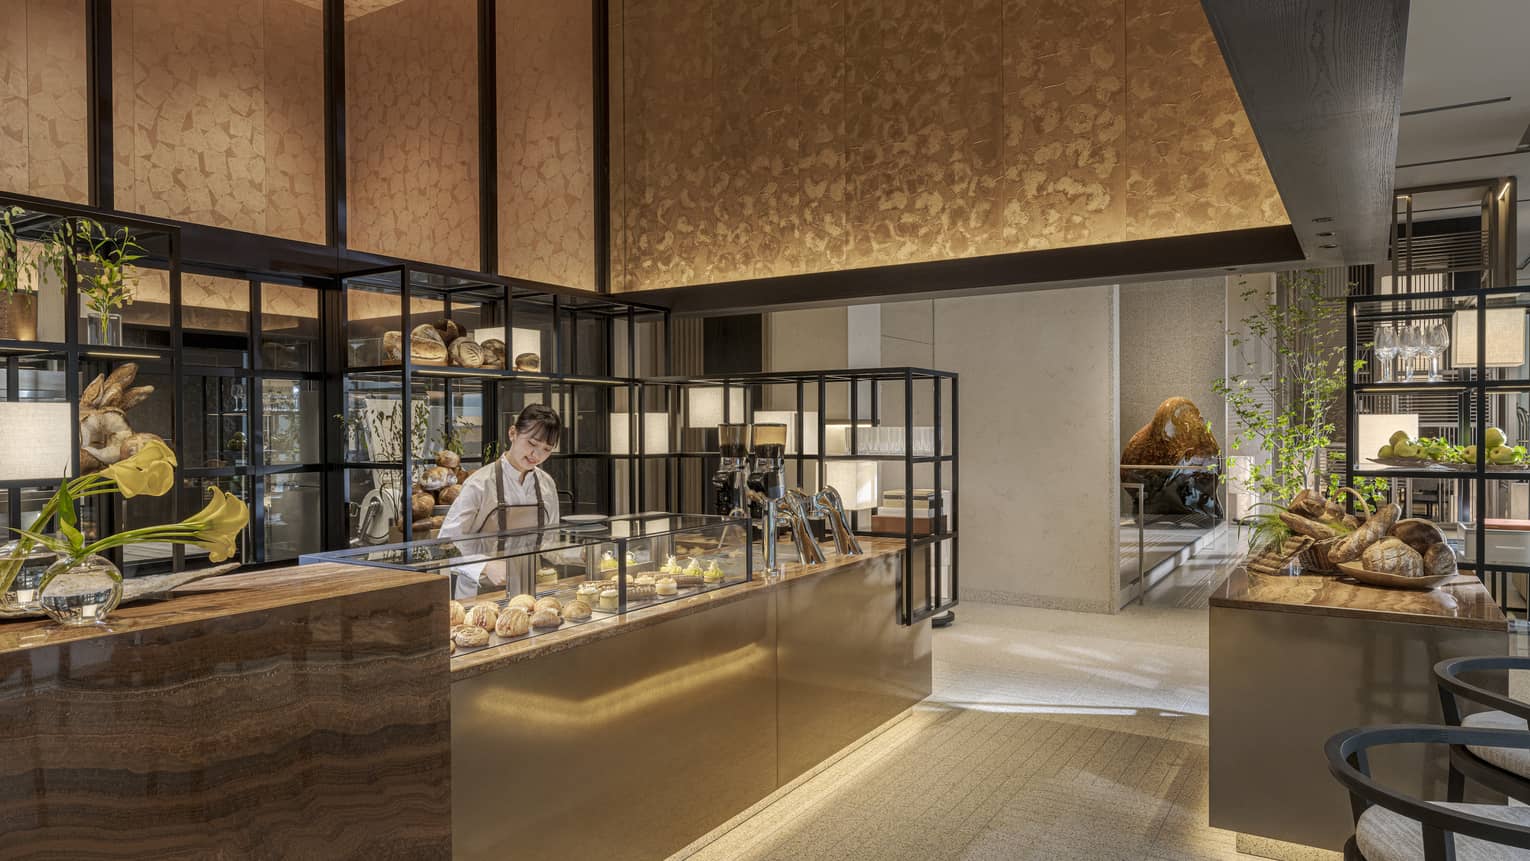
column 541, row 423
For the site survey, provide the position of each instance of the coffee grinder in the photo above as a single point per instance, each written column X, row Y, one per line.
column 730, row 484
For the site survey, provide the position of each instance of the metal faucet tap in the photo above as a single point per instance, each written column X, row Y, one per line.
column 797, row 506
column 829, row 504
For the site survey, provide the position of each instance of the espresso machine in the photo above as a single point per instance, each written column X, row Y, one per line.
column 730, row 484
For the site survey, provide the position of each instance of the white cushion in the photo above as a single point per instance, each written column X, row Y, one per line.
column 1511, row 759
column 1383, row 835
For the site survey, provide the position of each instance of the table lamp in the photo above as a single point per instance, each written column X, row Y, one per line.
column 39, row 441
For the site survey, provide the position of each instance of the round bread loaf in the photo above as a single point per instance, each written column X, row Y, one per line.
column 494, row 353
column 546, row 618
column 576, row 611
column 548, row 603
column 465, row 353
column 449, row 331
column 448, row 458
column 393, row 346
column 449, row 494
column 528, row 362
column 422, row 505
column 525, row 602
column 437, row 477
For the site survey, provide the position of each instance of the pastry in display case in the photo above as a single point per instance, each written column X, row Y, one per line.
column 507, row 587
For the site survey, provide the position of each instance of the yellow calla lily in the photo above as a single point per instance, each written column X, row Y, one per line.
column 219, row 524
column 149, row 472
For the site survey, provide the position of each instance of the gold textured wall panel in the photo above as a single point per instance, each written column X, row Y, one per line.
column 773, row 138
column 218, row 113
column 42, row 99
column 1193, row 161
column 411, row 115
column 546, row 141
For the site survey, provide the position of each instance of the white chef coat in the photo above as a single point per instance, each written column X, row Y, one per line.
column 473, row 511
column 473, row 514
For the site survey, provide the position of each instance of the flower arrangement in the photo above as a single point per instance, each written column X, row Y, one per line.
column 149, row 472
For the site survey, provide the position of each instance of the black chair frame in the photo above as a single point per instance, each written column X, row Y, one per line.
column 1348, row 762
column 1464, row 763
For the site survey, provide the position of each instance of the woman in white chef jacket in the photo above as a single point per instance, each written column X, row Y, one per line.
column 512, row 493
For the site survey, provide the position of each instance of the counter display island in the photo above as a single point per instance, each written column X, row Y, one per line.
column 1295, row 660
column 321, row 708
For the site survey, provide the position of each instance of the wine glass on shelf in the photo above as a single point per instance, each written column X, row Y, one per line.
column 1437, row 340
column 1410, row 341
column 1385, row 350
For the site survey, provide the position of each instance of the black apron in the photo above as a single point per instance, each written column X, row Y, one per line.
column 515, row 575
column 509, row 516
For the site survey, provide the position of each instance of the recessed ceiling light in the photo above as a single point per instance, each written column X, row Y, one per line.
column 1232, row 269
column 1328, row 245
column 1326, row 233
column 1324, row 220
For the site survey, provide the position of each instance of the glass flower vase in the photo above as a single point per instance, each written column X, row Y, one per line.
column 81, row 591
column 21, row 594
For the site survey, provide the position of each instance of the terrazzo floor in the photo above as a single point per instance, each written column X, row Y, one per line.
column 1050, row 735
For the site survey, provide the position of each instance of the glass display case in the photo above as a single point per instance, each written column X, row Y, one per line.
column 509, row 586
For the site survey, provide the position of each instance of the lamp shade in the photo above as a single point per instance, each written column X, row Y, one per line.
column 1375, row 430
column 38, row 440
column 706, row 404
column 789, row 418
column 856, row 481
column 1505, row 338
column 655, row 433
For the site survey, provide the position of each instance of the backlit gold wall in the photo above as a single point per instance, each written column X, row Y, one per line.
column 42, row 99
column 411, row 114
column 546, row 141
column 771, row 138
column 218, row 111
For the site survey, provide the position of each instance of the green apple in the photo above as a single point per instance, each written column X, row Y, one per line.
column 1386, row 451
column 1493, row 438
column 1470, row 454
column 1397, row 437
column 1501, row 454
column 1404, row 449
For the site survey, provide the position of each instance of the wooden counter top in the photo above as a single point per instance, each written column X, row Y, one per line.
column 484, row 660
column 1462, row 603
column 229, row 595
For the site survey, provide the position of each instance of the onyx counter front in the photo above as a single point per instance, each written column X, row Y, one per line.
column 1295, row 660
column 631, row 737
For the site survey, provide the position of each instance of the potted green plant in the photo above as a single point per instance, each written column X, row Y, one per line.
column 1287, row 409
column 102, row 260
column 18, row 304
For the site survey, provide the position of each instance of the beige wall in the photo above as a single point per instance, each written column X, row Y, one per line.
column 1039, row 431
column 218, row 110
column 1173, row 344
column 42, row 99
column 767, row 139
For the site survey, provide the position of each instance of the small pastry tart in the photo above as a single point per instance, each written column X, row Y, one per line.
column 666, row 586
column 547, row 575
column 576, row 611
column 644, row 580
column 608, row 599
column 548, row 603
column 468, row 636
column 713, row 574
column 512, row 623
column 608, row 562
column 589, row 593
column 482, row 615
column 547, row 617
column 670, row 566
column 694, row 567
column 525, row 602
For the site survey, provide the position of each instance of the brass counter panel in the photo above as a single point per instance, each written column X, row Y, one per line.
column 626, row 747
column 1283, row 682
column 844, row 665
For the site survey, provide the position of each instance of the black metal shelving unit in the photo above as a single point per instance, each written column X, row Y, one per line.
column 1470, row 386
column 889, row 395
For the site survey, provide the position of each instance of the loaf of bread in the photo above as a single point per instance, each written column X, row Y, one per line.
column 465, row 353
column 494, row 353
column 546, row 618
column 482, row 615
column 512, row 623
column 426, row 346
column 448, row 330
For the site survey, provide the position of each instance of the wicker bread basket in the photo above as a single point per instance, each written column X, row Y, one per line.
column 1314, row 558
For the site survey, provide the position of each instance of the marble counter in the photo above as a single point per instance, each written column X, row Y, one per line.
column 473, row 663
column 1462, row 603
